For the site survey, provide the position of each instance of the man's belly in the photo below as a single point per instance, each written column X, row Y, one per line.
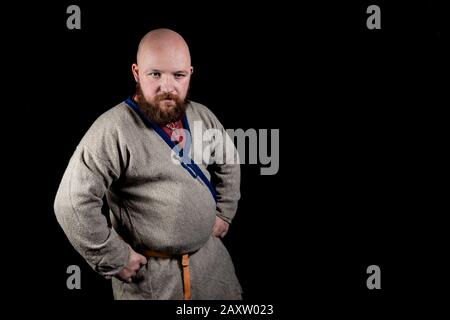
column 172, row 223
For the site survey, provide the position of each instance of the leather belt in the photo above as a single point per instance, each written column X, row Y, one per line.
column 184, row 265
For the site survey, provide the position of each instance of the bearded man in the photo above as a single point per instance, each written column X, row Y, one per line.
column 162, row 238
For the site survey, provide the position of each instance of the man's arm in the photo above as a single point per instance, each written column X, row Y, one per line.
column 78, row 206
column 226, row 177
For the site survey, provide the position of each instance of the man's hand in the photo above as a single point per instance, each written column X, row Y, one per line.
column 135, row 262
column 220, row 228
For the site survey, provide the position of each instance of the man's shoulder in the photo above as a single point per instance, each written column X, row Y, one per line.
column 116, row 115
column 111, row 124
column 198, row 107
column 200, row 111
column 119, row 117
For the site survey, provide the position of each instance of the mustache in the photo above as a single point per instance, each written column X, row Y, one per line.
column 166, row 96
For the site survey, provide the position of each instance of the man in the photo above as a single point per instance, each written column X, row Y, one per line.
column 166, row 218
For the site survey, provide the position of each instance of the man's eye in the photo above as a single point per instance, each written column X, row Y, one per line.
column 179, row 75
column 155, row 74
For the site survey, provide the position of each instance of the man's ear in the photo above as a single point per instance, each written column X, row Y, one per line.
column 135, row 70
column 192, row 69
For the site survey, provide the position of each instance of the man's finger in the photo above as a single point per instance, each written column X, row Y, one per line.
column 143, row 261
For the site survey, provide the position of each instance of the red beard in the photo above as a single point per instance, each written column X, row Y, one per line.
column 161, row 112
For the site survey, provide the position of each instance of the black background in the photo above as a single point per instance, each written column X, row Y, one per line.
column 360, row 119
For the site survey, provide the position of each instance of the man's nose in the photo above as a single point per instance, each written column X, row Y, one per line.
column 167, row 84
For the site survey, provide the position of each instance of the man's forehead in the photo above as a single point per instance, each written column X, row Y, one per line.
column 159, row 59
column 165, row 62
column 166, row 70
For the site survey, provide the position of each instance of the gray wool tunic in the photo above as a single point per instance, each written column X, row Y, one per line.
column 154, row 204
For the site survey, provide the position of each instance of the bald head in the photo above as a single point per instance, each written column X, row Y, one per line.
column 163, row 72
column 163, row 42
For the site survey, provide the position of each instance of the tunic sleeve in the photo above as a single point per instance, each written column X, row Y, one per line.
column 225, row 174
column 78, row 204
column 227, row 186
